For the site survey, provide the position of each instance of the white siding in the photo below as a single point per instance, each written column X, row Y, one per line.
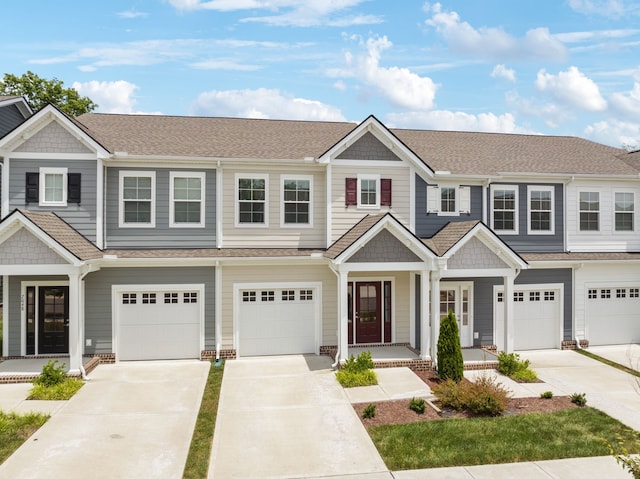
column 606, row 239
column 343, row 218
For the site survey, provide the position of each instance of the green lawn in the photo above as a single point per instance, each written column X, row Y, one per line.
column 577, row 432
column 200, row 450
column 608, row 362
column 15, row 429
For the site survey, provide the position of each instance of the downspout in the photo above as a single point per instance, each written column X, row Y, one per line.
column 337, row 358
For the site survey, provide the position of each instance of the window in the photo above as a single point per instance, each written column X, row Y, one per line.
column 186, row 202
column 296, row 200
column 624, row 204
column 306, row 295
column 605, row 293
column 518, row 296
column 268, row 296
column 248, row 296
column 448, row 200
column 129, row 298
column 500, row 296
column 534, row 295
column 170, row 298
column 593, row 294
column 549, row 295
column 189, row 297
column 589, row 211
column 137, row 202
column 634, row 292
column 621, row 293
column 53, row 186
column 148, row 298
column 288, row 295
column 504, row 211
column 368, row 189
column 252, row 192
column 540, row 210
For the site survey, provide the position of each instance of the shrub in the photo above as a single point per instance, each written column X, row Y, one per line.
column 579, row 398
column 418, row 405
column 348, row 379
column 450, row 363
column 58, row 392
column 511, row 363
column 360, row 363
column 525, row 376
column 483, row 397
column 546, row 395
column 452, row 394
column 51, row 374
column 369, row 412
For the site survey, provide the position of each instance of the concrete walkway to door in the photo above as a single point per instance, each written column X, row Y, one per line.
column 288, row 417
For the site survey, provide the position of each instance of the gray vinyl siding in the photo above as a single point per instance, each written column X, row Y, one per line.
column 98, row 305
column 525, row 243
column 483, row 310
column 429, row 224
column 161, row 236
column 10, row 117
column 81, row 216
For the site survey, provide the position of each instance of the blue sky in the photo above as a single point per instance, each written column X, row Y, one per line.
column 552, row 67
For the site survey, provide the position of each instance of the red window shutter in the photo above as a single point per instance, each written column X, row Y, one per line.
column 351, row 191
column 385, row 192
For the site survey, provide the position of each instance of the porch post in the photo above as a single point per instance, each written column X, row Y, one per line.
column 75, row 351
column 5, row 312
column 425, row 321
column 435, row 314
column 343, row 319
column 508, row 313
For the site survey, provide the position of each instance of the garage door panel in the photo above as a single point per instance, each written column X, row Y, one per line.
column 613, row 315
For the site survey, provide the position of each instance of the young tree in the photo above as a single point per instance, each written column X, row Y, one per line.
column 450, row 363
column 40, row 91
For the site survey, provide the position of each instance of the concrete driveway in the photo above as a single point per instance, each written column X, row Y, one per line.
column 613, row 391
column 131, row 420
column 288, row 417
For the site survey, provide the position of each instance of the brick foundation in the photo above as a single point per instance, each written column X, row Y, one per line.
column 210, row 354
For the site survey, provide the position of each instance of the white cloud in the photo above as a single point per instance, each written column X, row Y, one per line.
column 500, row 71
column 578, row 37
column 627, row 104
column 615, row 133
column 263, row 103
column 223, row 64
column 456, row 121
column 606, row 8
column 340, row 85
column 572, row 88
column 493, row 43
column 132, row 14
column 111, row 97
column 550, row 113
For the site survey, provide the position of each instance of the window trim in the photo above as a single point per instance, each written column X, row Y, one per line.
column 284, row 178
column 632, row 213
column 599, row 211
column 187, row 174
column 43, row 171
column 516, row 217
column 368, row 176
column 136, row 173
column 550, row 189
column 251, row 176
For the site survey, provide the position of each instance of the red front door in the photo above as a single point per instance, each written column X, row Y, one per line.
column 368, row 312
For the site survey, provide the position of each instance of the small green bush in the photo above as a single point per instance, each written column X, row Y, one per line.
column 369, row 412
column 58, row 392
column 349, row 379
column 511, row 363
column 51, row 374
column 418, row 405
column 360, row 363
column 450, row 362
column 484, row 397
column 452, row 394
column 579, row 398
column 546, row 395
column 525, row 376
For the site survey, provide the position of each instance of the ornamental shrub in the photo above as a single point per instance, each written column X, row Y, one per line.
column 450, row 363
column 51, row 374
column 418, row 405
column 546, row 395
column 484, row 397
column 369, row 411
column 525, row 376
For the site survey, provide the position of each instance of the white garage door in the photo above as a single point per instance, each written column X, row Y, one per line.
column 158, row 324
column 537, row 318
column 613, row 315
column 277, row 321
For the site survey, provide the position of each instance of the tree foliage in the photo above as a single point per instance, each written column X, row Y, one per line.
column 450, row 362
column 38, row 92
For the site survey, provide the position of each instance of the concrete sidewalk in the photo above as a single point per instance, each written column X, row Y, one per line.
column 627, row 355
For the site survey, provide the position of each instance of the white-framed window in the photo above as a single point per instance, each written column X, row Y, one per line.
column 448, row 200
column 252, row 193
column 540, row 201
column 504, row 209
column 593, row 294
column 589, row 207
column 368, row 191
column 186, row 199
column 137, row 199
column 624, row 204
column 53, row 187
column 296, row 206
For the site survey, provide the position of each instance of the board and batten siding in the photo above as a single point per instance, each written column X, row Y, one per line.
column 606, row 239
column 162, row 235
column 98, row 312
column 344, row 217
column 10, row 117
column 80, row 216
column 274, row 235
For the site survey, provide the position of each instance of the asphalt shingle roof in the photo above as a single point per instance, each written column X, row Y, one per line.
column 448, row 236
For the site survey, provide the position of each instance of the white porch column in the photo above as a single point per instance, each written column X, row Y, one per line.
column 508, row 313
column 435, row 314
column 75, row 351
column 425, row 315
column 5, row 312
column 343, row 317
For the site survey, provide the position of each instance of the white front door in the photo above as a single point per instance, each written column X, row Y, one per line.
column 457, row 297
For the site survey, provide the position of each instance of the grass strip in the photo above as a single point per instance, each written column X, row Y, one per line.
column 16, row 429
column 580, row 432
column 608, row 362
column 58, row 392
column 197, row 464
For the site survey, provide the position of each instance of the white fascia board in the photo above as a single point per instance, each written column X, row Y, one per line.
column 474, row 273
column 38, row 269
column 367, row 267
column 52, row 156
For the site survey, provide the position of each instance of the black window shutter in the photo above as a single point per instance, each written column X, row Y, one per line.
column 351, row 191
column 385, row 192
column 32, row 187
column 73, row 187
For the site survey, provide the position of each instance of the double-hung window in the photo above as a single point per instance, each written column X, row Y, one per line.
column 296, row 206
column 448, row 200
column 540, row 210
column 53, row 186
column 368, row 191
column 589, row 211
column 252, row 192
column 624, row 211
column 186, row 199
column 504, row 209
column 137, row 199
